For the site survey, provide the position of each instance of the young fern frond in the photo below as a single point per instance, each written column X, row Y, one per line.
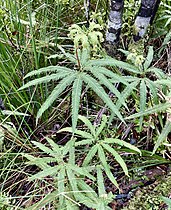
column 158, row 72
column 45, row 149
column 55, row 93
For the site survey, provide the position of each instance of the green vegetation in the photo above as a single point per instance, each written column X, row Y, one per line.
column 80, row 129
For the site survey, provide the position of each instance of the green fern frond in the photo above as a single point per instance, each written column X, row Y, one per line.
column 143, row 98
column 48, row 69
column 98, row 89
column 90, row 155
column 83, row 171
column 72, row 178
column 117, row 157
column 100, row 182
column 45, row 79
column 89, row 192
column 61, row 185
column 164, row 82
column 122, row 143
column 84, row 142
column 158, row 72
column 153, row 90
column 115, row 77
column 54, row 146
column 47, row 199
column 109, row 85
column 85, row 55
column 108, row 172
column 156, row 108
column 165, row 131
column 87, row 122
column 114, row 62
column 49, row 171
column 83, row 134
column 76, row 94
column 69, row 56
column 102, row 125
column 125, row 94
column 149, row 58
column 45, row 149
column 55, row 93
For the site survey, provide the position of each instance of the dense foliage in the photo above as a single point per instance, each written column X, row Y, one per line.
column 80, row 129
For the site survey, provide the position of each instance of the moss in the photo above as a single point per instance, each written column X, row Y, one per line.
column 148, row 198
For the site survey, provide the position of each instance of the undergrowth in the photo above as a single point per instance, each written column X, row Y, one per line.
column 76, row 124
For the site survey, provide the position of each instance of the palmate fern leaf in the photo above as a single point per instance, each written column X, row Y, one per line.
column 48, row 69
column 117, row 157
column 72, row 179
column 163, row 82
column 87, row 190
column 98, row 89
column 46, row 79
column 55, row 147
column 55, row 93
column 70, row 56
column 84, row 142
column 76, row 94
